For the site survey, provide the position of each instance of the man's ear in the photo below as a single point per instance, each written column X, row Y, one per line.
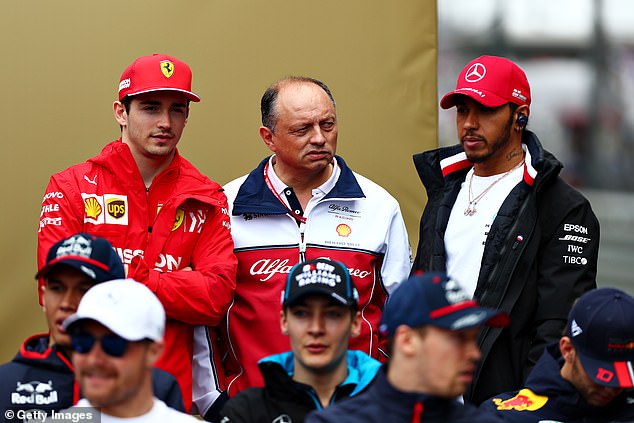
column 405, row 340
column 283, row 323
column 355, row 329
column 43, row 291
column 120, row 114
column 567, row 349
column 267, row 136
column 154, row 352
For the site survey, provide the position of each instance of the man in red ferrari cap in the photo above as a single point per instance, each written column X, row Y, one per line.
column 167, row 221
column 500, row 221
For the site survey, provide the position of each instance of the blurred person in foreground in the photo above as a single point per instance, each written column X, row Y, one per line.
column 586, row 376
column 431, row 325
column 319, row 315
column 41, row 374
column 117, row 336
column 501, row 222
column 301, row 203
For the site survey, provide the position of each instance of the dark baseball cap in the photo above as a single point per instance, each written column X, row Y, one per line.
column 437, row 300
column 90, row 254
column 601, row 327
column 320, row 277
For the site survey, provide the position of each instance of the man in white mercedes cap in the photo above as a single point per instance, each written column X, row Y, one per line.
column 117, row 335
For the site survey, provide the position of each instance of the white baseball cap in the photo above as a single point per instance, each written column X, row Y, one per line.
column 126, row 307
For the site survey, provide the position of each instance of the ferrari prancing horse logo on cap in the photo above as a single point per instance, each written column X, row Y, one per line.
column 475, row 73
column 167, row 68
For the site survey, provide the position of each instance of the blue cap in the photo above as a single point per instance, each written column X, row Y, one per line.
column 435, row 299
column 93, row 256
column 601, row 327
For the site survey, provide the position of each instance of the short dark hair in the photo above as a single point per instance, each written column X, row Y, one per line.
column 268, row 104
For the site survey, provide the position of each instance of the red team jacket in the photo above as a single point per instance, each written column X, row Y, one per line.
column 180, row 221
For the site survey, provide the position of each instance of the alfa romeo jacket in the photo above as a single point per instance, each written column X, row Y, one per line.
column 540, row 255
column 357, row 223
column 180, row 221
column 283, row 399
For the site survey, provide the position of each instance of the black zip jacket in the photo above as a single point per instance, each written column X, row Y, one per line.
column 549, row 397
column 284, row 400
column 383, row 403
column 42, row 377
column 540, row 255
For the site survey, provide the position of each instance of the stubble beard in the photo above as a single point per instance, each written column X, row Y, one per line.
column 500, row 143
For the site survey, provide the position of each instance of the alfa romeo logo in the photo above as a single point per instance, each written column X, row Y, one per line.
column 475, row 73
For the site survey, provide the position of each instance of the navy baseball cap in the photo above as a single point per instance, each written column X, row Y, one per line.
column 320, row 277
column 601, row 327
column 93, row 256
column 437, row 300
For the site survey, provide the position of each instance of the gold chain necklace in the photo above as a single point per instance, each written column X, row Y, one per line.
column 471, row 208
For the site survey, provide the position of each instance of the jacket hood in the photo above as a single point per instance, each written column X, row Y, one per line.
column 361, row 368
column 36, row 352
column 254, row 197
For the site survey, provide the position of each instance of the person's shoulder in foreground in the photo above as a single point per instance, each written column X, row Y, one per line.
column 117, row 335
column 431, row 326
column 585, row 377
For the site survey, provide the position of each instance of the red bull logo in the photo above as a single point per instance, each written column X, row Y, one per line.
column 524, row 400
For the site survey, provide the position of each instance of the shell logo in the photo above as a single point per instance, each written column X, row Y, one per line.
column 344, row 230
column 92, row 208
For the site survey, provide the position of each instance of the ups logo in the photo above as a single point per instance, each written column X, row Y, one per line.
column 116, row 208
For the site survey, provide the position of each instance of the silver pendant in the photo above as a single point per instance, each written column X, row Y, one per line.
column 470, row 210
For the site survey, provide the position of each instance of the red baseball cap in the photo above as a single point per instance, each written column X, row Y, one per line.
column 158, row 72
column 491, row 81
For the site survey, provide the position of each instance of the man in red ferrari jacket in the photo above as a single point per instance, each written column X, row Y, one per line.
column 168, row 222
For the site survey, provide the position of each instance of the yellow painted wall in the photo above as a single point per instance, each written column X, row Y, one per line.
column 61, row 61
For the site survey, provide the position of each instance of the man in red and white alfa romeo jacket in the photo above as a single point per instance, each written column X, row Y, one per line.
column 168, row 222
column 303, row 203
